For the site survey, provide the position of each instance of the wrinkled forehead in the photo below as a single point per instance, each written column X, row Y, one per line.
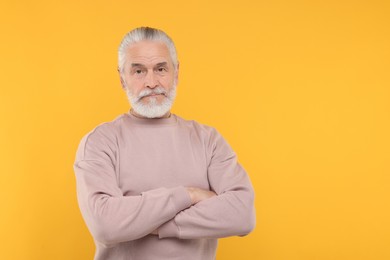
column 148, row 53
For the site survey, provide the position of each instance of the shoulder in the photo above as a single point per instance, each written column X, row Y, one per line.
column 106, row 129
column 195, row 125
column 102, row 136
column 208, row 133
column 216, row 147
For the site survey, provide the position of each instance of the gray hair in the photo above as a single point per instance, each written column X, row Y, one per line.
column 141, row 34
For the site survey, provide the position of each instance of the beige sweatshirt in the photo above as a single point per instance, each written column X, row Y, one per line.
column 131, row 176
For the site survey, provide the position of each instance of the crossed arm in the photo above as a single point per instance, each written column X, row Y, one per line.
column 196, row 195
column 181, row 212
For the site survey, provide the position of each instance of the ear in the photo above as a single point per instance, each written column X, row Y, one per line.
column 123, row 82
column 177, row 72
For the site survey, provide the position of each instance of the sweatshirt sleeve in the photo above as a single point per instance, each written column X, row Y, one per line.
column 110, row 216
column 229, row 213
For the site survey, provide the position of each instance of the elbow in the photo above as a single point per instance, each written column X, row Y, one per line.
column 248, row 216
column 105, row 229
column 101, row 225
column 241, row 219
column 108, row 231
column 106, row 226
column 244, row 224
column 104, row 234
column 249, row 223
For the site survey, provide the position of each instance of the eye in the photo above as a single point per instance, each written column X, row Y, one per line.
column 138, row 71
column 161, row 69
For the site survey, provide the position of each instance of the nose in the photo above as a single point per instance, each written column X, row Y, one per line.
column 151, row 80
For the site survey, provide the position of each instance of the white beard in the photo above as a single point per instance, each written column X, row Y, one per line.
column 151, row 109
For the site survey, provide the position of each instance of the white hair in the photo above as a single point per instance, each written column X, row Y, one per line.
column 141, row 34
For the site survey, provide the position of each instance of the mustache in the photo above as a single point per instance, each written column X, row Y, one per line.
column 148, row 92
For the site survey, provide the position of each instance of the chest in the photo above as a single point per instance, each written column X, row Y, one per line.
column 155, row 158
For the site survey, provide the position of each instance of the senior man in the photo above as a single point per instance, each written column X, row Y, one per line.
column 150, row 184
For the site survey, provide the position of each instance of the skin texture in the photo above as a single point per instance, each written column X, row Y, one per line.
column 149, row 65
column 198, row 195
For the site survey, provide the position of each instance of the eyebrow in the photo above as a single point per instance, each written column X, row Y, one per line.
column 164, row 63
column 137, row 65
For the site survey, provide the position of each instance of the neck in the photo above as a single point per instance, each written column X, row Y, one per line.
column 166, row 115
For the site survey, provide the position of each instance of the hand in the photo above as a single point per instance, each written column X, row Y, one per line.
column 155, row 232
column 198, row 195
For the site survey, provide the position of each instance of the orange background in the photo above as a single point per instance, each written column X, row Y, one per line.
column 300, row 89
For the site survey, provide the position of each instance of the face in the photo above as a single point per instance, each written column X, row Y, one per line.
column 149, row 77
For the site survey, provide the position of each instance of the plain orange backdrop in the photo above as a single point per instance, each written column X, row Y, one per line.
column 300, row 89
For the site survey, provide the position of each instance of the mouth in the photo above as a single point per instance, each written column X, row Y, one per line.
column 153, row 95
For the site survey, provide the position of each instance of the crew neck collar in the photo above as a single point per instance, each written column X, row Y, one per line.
column 171, row 120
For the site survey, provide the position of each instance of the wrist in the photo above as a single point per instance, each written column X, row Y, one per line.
column 192, row 194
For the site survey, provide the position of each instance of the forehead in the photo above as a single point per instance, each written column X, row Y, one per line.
column 148, row 52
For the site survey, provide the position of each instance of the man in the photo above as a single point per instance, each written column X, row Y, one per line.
column 150, row 184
